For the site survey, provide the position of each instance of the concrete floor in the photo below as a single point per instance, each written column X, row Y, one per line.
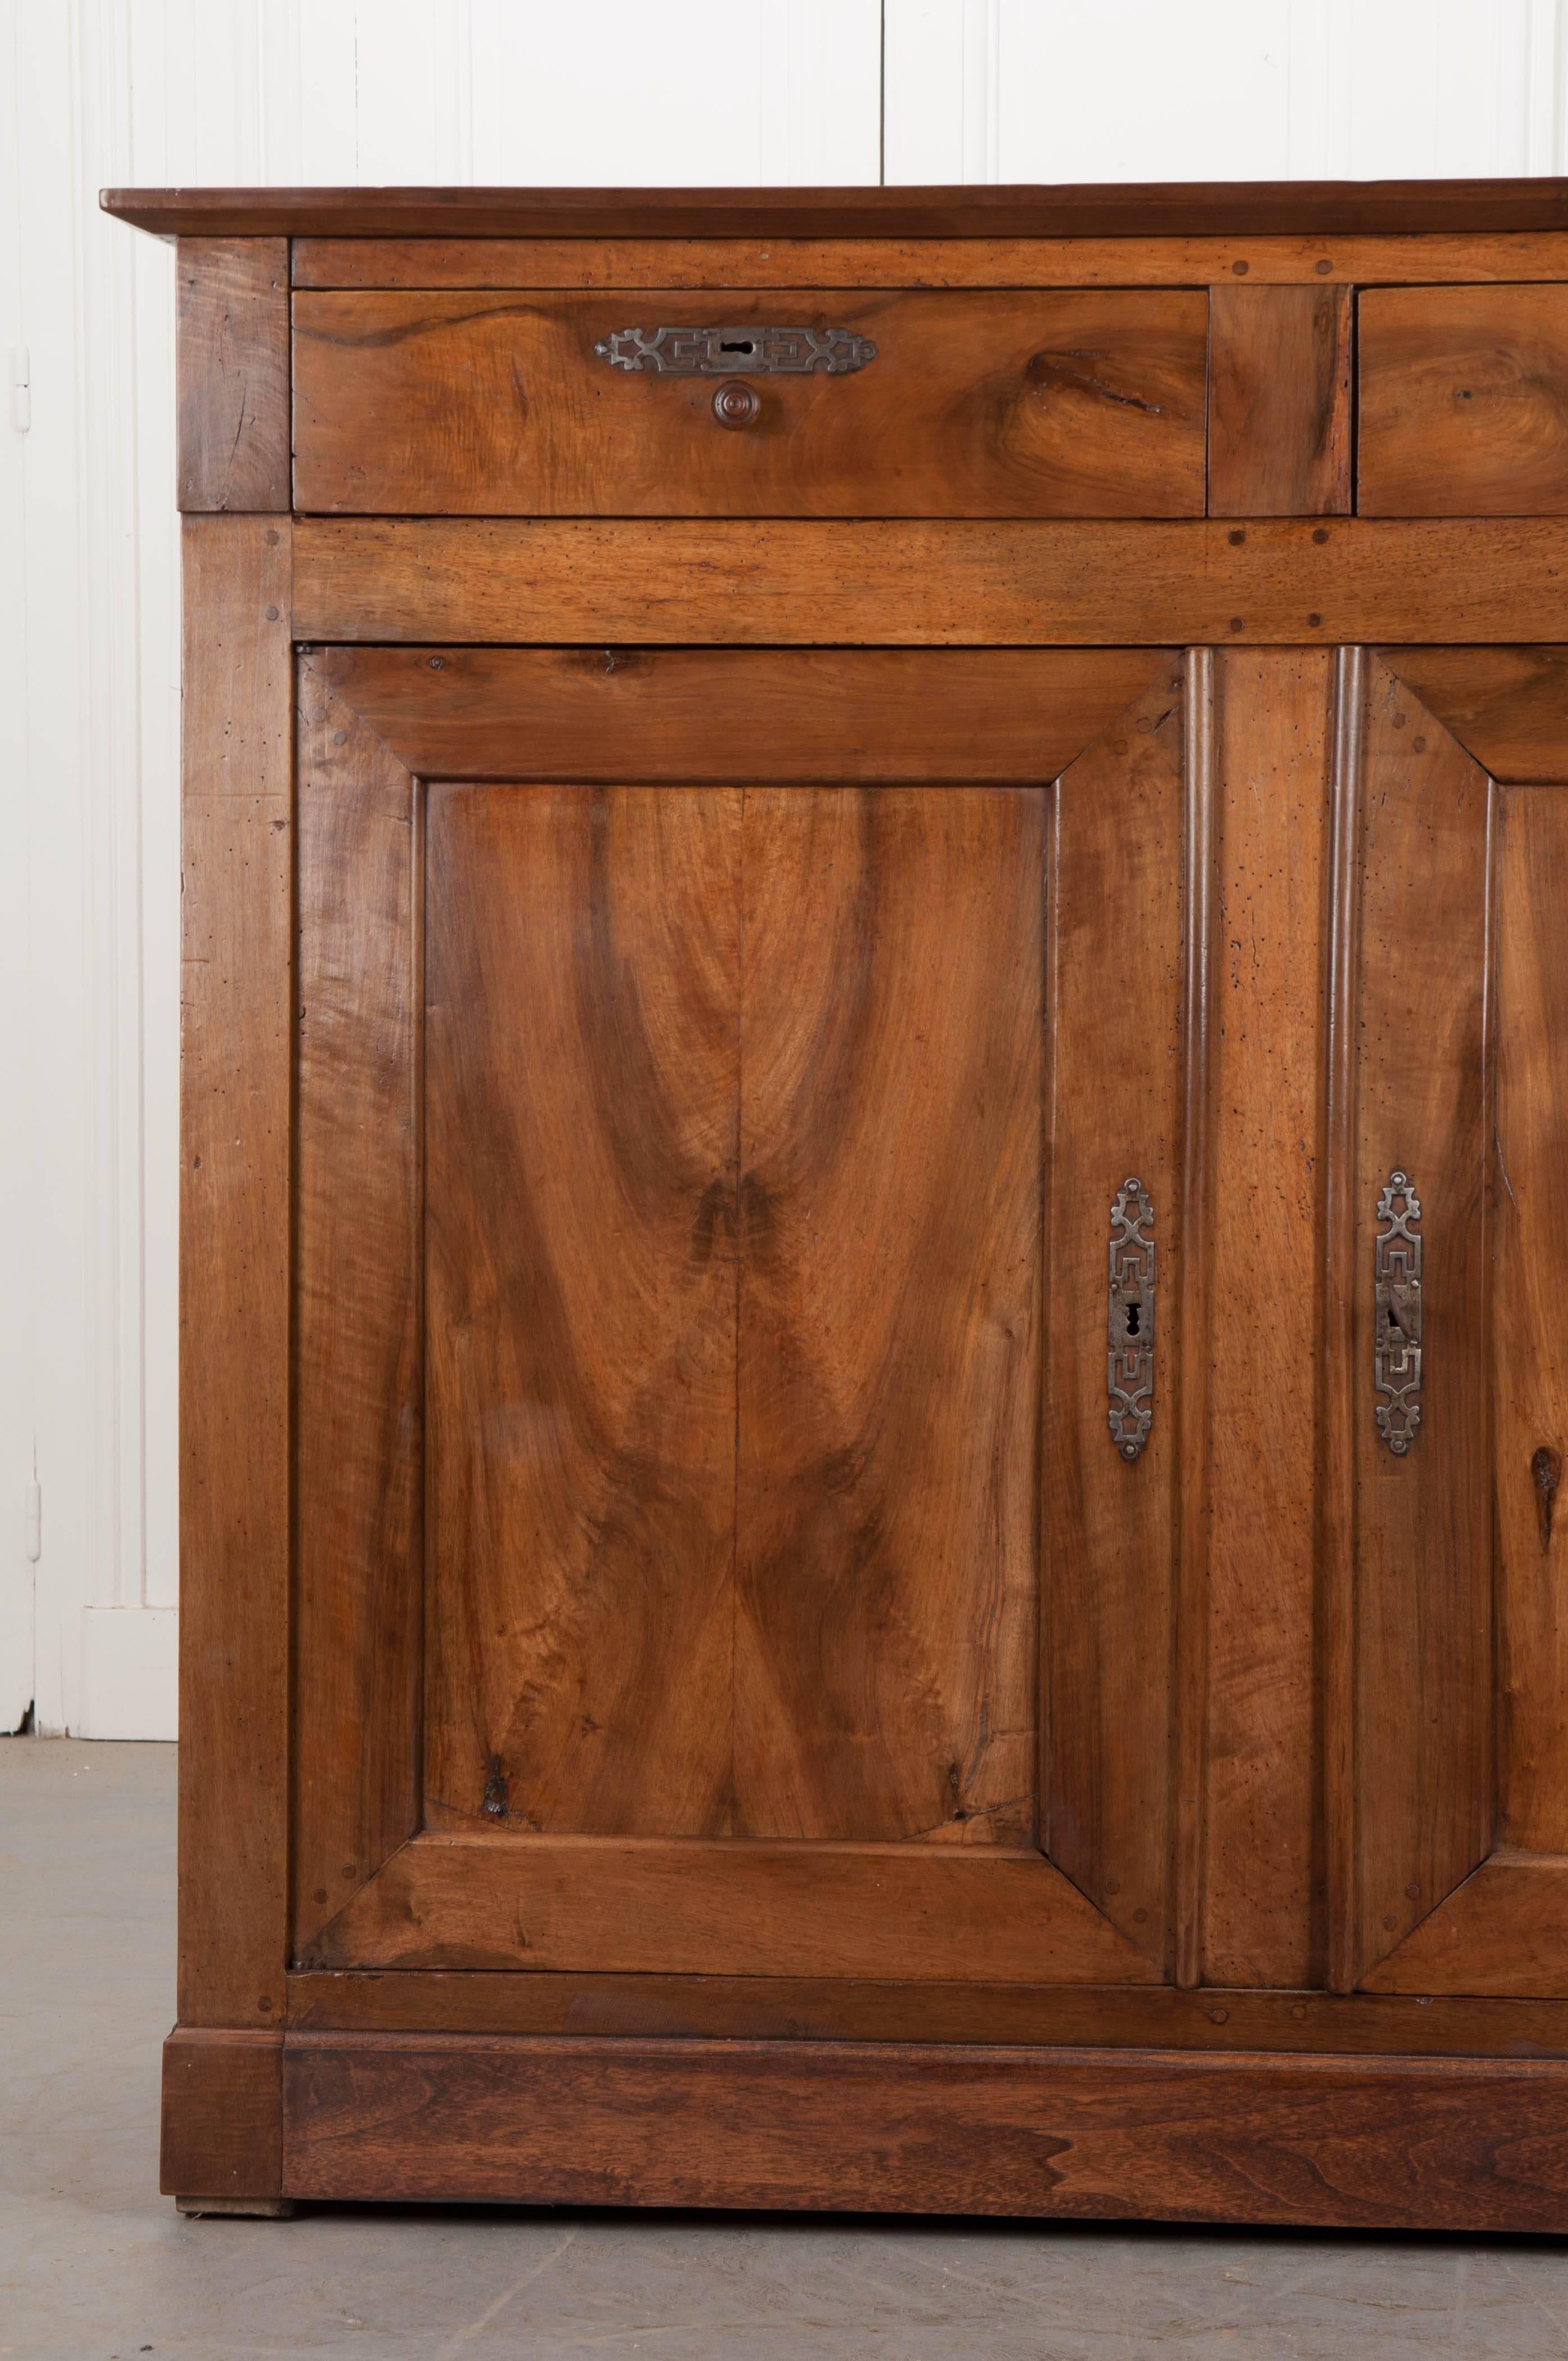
column 95, row 2265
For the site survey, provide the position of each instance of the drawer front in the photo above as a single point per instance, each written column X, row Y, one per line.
column 1463, row 404
column 974, row 404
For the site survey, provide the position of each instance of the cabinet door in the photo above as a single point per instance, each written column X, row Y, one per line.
column 715, row 1075
column 1458, row 1724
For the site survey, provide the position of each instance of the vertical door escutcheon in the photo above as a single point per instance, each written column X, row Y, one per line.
column 1397, row 1350
column 1129, row 1377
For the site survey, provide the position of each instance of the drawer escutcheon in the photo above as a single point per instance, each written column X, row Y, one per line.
column 737, row 352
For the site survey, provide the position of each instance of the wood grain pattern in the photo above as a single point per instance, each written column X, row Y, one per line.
column 1530, row 1342
column 942, row 582
column 1262, row 1868
column 889, row 1285
column 1464, row 401
column 1456, row 2143
column 1353, row 260
column 875, row 2010
column 581, row 1285
column 1503, row 1931
column 678, row 715
column 223, row 2113
column 236, row 1009
column 359, row 1452
column 1195, row 1309
column 1279, row 402
column 1341, row 1403
column 1107, row 1528
column 1507, row 706
column 977, row 404
column 232, row 349
column 1218, row 209
column 664, row 1906
column 1424, row 1748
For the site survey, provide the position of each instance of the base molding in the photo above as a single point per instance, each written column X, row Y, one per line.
column 1347, row 2142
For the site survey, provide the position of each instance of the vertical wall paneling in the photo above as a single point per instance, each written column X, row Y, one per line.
column 941, row 95
column 613, row 90
column 123, row 1654
column 820, row 92
column 51, row 1258
column 18, row 1179
column 1049, row 90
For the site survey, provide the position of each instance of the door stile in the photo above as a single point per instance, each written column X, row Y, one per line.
column 1108, row 1459
column 1337, row 1380
column 423, row 1505
column 1191, row 1634
column 1424, row 1530
column 358, row 1451
column 1490, row 1136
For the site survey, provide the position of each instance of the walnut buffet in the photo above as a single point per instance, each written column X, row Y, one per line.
column 875, row 1200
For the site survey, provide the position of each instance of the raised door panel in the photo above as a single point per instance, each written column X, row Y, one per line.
column 1424, row 1673
column 1530, row 1318
column 581, row 1086
column 918, row 403
column 889, row 1295
column 732, row 1492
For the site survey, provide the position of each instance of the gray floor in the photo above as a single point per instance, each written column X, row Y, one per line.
column 95, row 2265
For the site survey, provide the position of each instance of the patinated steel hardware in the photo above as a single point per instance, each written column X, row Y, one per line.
column 1397, row 1352
column 737, row 352
column 1129, row 1374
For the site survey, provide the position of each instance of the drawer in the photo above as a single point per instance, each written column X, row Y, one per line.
column 974, row 404
column 1463, row 408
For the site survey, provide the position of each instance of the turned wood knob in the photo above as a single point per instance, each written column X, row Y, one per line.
column 735, row 404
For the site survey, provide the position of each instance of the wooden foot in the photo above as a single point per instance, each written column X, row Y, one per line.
column 260, row 2209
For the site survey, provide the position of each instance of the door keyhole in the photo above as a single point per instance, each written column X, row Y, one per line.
column 1133, row 1318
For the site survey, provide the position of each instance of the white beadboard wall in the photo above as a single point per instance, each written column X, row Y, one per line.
column 690, row 92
